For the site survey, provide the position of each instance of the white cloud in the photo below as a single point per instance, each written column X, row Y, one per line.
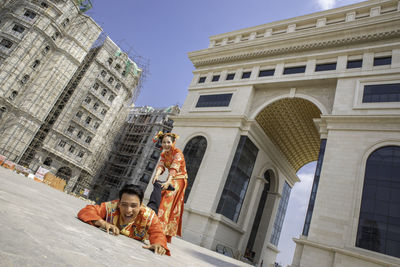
column 328, row 4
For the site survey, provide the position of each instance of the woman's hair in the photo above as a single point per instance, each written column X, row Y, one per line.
column 132, row 189
column 169, row 135
column 160, row 136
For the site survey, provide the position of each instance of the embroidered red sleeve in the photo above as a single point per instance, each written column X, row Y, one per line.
column 93, row 213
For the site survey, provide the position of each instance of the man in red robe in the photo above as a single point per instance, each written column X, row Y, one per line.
column 128, row 216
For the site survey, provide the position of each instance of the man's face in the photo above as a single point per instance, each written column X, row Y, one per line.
column 166, row 143
column 129, row 207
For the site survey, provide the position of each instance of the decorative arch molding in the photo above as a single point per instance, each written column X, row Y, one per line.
column 270, row 166
column 194, row 147
column 203, row 134
column 313, row 100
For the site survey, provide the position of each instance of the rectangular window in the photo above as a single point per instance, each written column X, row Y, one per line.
column 353, row 64
column 264, row 73
column 294, row 70
column 71, row 149
column 230, row 76
column 18, row 28
column 6, row 43
column 380, row 61
column 88, row 120
column 30, row 14
column 238, row 179
column 71, row 129
column 246, row 75
column 381, row 93
column 215, row 78
column 145, row 178
column 202, row 79
column 81, row 154
column 280, row 215
column 325, row 67
column 61, row 143
column 221, row 100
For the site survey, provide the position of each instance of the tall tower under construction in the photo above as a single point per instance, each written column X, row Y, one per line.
column 63, row 95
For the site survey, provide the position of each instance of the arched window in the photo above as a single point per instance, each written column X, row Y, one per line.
column 379, row 222
column 13, row 95
column 25, row 79
column 48, row 161
column 104, row 92
column 35, row 64
column 46, row 49
column 2, row 111
column 193, row 153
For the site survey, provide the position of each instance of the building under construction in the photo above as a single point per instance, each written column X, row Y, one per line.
column 63, row 96
column 134, row 155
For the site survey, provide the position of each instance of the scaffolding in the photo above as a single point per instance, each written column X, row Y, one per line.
column 41, row 130
column 134, row 155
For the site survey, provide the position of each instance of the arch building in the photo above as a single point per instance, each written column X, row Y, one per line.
column 267, row 100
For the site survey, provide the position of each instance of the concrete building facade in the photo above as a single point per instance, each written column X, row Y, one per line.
column 64, row 96
column 134, row 155
column 267, row 100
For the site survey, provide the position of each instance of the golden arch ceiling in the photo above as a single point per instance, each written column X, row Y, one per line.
column 289, row 124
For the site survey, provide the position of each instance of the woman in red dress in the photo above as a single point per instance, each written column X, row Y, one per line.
column 172, row 201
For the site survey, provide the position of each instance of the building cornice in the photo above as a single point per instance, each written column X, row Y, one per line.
column 211, row 57
column 333, row 28
column 381, row 123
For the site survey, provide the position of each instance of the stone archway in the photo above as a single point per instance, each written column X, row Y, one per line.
column 64, row 173
column 289, row 124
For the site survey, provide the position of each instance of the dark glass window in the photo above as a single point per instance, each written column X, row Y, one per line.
column 215, row 78
column 145, row 178
column 260, row 210
column 381, row 93
column 238, row 179
column 246, row 75
column 325, row 67
column 313, row 193
column 48, row 161
column 230, row 76
column 221, row 100
column 30, row 14
column 379, row 61
column 379, row 222
column 6, row 43
column 280, row 215
column 193, row 153
column 352, row 64
column 264, row 73
column 294, row 70
column 202, row 79
column 18, row 28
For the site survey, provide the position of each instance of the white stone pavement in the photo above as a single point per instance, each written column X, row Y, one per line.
column 39, row 227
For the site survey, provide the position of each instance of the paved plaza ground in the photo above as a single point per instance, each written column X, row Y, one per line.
column 39, row 227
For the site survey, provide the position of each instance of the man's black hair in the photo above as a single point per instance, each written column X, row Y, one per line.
column 132, row 189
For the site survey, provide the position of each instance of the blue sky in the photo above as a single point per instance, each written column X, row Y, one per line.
column 164, row 31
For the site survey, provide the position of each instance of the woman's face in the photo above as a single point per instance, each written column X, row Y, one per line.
column 166, row 143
